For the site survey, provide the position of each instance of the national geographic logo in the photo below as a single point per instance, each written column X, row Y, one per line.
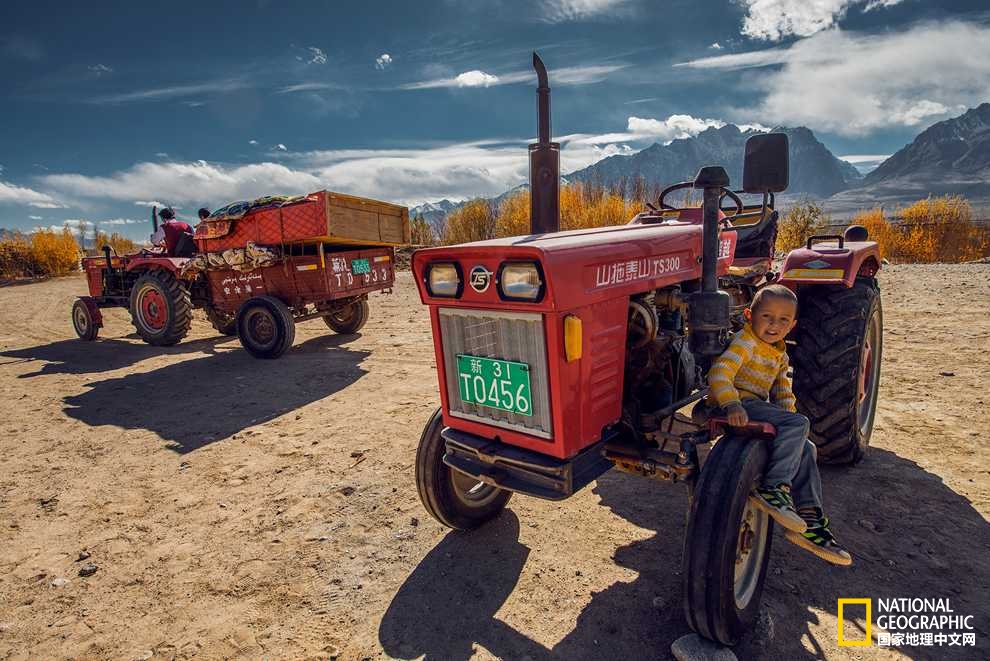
column 907, row 622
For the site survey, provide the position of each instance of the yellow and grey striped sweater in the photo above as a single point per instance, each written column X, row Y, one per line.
column 751, row 369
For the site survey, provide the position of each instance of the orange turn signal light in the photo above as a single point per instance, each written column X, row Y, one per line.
column 572, row 337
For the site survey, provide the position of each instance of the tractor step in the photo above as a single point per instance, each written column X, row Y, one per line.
column 523, row 471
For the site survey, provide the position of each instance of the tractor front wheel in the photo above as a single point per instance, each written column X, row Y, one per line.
column 161, row 309
column 87, row 328
column 727, row 546
column 454, row 499
column 836, row 358
column 348, row 319
column 265, row 327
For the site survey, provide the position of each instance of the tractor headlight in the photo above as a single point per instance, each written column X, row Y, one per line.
column 443, row 280
column 520, row 281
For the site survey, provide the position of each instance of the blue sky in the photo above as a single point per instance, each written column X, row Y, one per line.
column 107, row 107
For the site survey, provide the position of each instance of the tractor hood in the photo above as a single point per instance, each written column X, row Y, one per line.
column 577, row 267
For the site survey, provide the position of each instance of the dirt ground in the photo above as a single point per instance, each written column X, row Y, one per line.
column 238, row 508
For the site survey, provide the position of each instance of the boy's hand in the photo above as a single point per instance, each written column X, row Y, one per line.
column 737, row 415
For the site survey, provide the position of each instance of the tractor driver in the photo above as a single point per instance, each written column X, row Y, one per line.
column 170, row 231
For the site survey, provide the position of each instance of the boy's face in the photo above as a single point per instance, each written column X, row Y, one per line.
column 774, row 319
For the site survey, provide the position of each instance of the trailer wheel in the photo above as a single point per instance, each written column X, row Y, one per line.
column 265, row 327
column 161, row 309
column 82, row 320
column 727, row 546
column 839, row 342
column 224, row 322
column 349, row 319
column 452, row 498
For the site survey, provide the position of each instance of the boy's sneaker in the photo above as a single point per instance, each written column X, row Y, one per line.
column 776, row 501
column 819, row 539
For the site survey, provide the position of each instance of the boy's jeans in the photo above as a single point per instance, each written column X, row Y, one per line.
column 792, row 455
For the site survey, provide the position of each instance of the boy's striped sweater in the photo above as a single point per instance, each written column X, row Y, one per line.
column 752, row 369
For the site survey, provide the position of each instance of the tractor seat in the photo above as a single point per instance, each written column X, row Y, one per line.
column 758, row 239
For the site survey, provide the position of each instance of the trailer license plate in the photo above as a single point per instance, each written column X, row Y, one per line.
column 496, row 384
column 360, row 266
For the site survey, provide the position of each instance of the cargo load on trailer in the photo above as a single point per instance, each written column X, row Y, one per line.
column 321, row 217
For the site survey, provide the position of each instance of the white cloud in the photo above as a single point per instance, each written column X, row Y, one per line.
column 716, row 46
column 559, row 11
column 644, row 131
column 281, row 147
column 150, row 203
column 407, row 176
column 14, row 194
column 100, row 69
column 173, row 92
column 120, row 221
column 252, row 142
column 773, row 20
column 564, row 76
column 864, row 158
column 476, row 78
column 185, row 183
column 383, row 61
column 35, row 217
column 316, row 56
column 750, row 60
column 853, row 83
column 307, row 87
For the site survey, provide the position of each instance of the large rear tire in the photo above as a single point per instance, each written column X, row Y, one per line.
column 836, row 359
column 727, row 546
column 161, row 309
column 452, row 498
column 349, row 319
column 265, row 327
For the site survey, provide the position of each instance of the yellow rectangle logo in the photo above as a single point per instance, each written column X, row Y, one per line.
column 307, row 267
column 866, row 642
column 815, row 274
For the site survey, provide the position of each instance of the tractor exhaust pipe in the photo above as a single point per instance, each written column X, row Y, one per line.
column 154, row 219
column 709, row 311
column 544, row 163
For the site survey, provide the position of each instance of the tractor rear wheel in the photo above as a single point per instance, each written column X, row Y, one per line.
column 727, row 546
column 348, row 319
column 161, row 309
column 836, row 359
column 454, row 499
column 265, row 327
column 82, row 320
column 224, row 322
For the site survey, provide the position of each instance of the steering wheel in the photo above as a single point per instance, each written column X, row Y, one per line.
column 724, row 193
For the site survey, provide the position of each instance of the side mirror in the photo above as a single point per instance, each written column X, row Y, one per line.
column 766, row 164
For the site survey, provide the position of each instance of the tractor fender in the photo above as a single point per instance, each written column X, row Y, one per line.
column 94, row 310
column 171, row 264
column 827, row 263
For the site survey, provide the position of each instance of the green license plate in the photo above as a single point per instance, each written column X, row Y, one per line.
column 360, row 266
column 497, row 384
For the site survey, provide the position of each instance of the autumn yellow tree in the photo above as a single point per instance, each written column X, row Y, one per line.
column 800, row 221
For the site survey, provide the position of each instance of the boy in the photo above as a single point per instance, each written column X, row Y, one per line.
column 752, row 370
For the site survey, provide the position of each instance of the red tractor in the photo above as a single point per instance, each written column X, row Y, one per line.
column 294, row 283
column 563, row 354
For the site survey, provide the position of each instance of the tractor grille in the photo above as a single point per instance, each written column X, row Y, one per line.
column 515, row 336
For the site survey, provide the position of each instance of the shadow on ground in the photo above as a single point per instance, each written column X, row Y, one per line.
column 77, row 356
column 202, row 400
column 912, row 536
